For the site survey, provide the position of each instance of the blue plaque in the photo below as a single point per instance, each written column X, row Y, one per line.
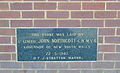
column 56, row 44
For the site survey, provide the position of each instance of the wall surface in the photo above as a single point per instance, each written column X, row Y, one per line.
column 102, row 14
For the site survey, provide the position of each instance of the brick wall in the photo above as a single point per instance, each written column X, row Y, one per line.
column 102, row 14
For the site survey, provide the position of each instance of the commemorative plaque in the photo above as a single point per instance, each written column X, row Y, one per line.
column 56, row 44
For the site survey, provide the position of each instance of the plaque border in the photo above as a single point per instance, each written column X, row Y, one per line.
column 51, row 28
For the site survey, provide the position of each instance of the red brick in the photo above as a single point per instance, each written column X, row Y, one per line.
column 91, row 71
column 112, row 56
column 100, row 40
column 82, row 14
column 100, row 57
column 4, row 23
column 102, row 65
column 14, row 40
column 117, row 48
column 4, row 6
column 104, row 0
column 45, row 6
column 13, row 56
column 57, row 65
column 81, row 0
column 57, row 0
column 69, row 71
column 10, row 0
column 34, row 0
column 110, row 71
column 118, row 14
column 92, row 23
column 113, row 6
column 69, row 6
column 9, row 14
column 68, row 23
column 105, row 14
column 7, row 31
column 6, row 71
column 45, row 23
column 57, row 14
column 106, row 31
column 21, row 6
column 93, row 6
column 112, row 23
column 33, row 14
column 7, row 48
column 21, row 23
column 5, row 40
column 118, row 31
column 24, row 71
column 34, row 65
column 117, row 65
column 5, row 57
column 106, row 48
column 112, row 39
column 47, row 71
column 11, row 65
column 78, row 65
